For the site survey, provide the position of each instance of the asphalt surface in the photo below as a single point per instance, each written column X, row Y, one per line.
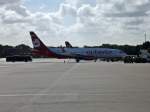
column 54, row 86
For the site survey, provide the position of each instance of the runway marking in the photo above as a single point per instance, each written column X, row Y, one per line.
column 3, row 66
column 13, row 95
column 54, row 95
column 57, row 81
column 21, row 95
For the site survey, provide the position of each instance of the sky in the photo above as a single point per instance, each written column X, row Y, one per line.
column 82, row 22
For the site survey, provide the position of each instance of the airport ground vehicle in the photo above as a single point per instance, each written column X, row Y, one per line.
column 140, row 60
column 128, row 59
column 145, row 54
column 19, row 58
column 144, row 57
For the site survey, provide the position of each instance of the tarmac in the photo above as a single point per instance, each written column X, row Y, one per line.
column 55, row 86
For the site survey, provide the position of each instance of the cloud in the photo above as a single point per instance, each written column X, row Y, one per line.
column 9, row 2
column 96, row 22
column 126, row 8
column 67, row 9
column 79, row 3
column 18, row 9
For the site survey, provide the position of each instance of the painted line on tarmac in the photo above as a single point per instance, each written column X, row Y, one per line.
column 21, row 95
column 13, row 95
column 3, row 66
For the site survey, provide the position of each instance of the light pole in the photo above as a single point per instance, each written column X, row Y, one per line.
column 145, row 36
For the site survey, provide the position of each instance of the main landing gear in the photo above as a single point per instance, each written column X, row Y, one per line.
column 77, row 60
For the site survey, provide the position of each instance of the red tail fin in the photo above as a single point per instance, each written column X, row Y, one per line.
column 39, row 47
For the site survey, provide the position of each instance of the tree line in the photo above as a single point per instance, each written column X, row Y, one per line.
column 129, row 49
column 17, row 50
column 26, row 50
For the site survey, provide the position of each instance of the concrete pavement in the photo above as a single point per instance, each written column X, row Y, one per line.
column 54, row 86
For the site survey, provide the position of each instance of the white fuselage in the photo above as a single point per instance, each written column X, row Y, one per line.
column 95, row 52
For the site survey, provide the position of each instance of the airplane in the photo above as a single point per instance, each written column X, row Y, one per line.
column 69, row 52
